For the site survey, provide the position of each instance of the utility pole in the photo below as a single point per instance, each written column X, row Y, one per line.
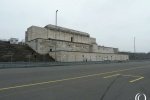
column 55, row 33
column 134, row 46
column 134, row 49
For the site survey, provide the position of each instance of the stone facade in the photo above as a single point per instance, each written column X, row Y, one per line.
column 67, row 45
column 70, row 56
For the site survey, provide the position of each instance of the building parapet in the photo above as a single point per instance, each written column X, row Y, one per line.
column 67, row 30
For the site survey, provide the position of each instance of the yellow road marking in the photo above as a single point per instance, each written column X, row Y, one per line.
column 136, row 79
column 111, row 76
column 66, row 79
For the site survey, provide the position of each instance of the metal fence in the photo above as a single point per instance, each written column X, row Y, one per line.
column 47, row 64
column 4, row 65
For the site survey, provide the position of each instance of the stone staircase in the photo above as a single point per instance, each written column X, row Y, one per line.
column 22, row 53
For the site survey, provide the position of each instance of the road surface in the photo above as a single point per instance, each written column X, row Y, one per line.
column 115, row 81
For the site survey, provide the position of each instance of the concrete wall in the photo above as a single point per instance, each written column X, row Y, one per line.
column 92, row 40
column 103, row 49
column 34, row 32
column 64, row 56
column 44, row 46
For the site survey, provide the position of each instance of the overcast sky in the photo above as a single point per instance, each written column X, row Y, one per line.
column 114, row 23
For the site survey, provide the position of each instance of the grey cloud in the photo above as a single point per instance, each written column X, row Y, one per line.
column 113, row 22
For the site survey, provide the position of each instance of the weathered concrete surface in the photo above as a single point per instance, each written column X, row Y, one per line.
column 54, row 39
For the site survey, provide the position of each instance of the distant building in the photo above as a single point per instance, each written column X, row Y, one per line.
column 22, row 42
column 67, row 45
column 13, row 41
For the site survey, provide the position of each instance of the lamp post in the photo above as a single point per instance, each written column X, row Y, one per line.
column 56, row 18
column 55, row 33
column 134, row 45
column 134, row 50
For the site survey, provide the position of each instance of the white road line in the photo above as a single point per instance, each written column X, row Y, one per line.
column 111, row 76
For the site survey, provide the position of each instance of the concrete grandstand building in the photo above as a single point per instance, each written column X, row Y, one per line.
column 67, row 45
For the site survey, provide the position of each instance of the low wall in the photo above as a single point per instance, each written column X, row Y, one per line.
column 65, row 56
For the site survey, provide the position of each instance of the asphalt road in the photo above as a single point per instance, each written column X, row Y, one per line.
column 115, row 81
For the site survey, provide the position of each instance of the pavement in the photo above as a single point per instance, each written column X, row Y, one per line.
column 114, row 81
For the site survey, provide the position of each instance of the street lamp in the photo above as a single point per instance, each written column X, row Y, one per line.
column 55, row 33
column 134, row 50
column 56, row 18
column 134, row 46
